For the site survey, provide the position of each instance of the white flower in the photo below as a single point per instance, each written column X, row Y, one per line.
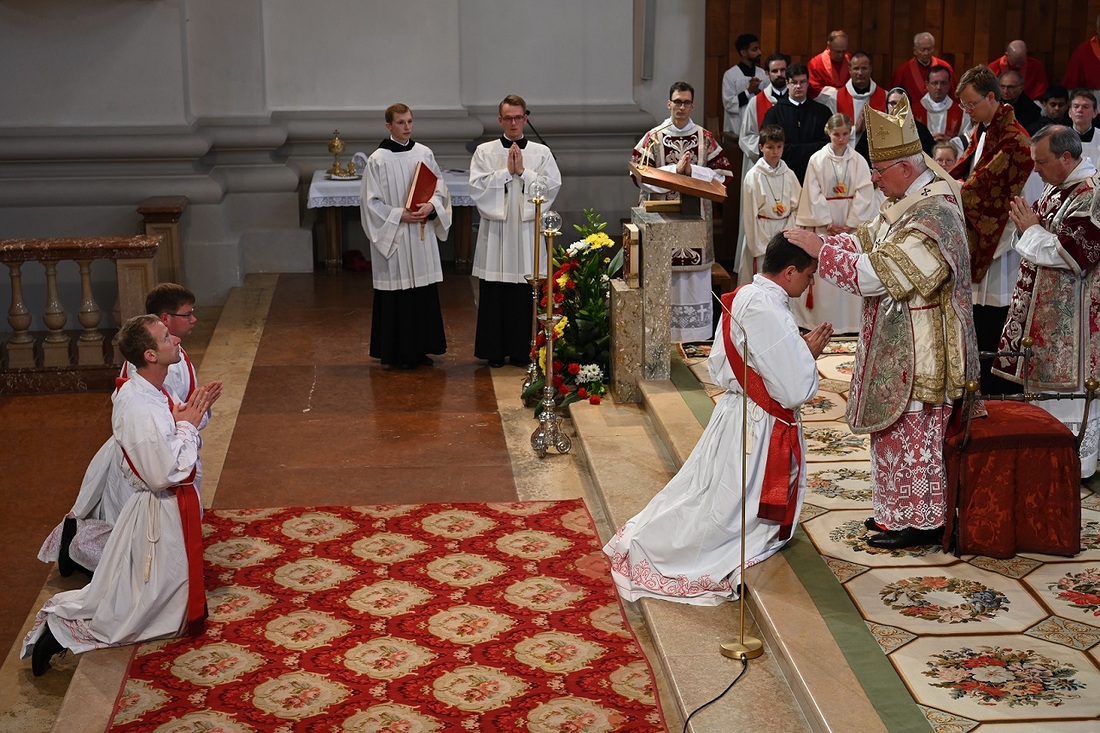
column 994, row 675
column 576, row 248
column 589, row 373
column 604, row 279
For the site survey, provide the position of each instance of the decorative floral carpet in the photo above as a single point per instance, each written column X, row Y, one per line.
column 981, row 645
column 413, row 618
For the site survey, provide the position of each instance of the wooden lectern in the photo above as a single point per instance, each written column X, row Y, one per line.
column 690, row 190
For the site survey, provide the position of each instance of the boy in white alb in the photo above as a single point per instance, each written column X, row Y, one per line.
column 769, row 200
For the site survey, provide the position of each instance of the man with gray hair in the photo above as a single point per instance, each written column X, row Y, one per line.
column 1058, row 290
column 913, row 74
column 917, row 346
column 1012, row 92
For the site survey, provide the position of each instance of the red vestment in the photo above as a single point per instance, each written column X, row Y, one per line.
column 912, row 76
column 825, row 73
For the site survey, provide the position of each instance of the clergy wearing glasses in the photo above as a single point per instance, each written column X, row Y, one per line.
column 994, row 168
column 681, row 146
column 917, row 346
column 502, row 173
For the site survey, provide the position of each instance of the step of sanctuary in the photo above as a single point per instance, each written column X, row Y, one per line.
column 802, row 681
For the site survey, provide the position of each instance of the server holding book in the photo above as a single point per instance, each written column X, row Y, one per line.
column 406, row 212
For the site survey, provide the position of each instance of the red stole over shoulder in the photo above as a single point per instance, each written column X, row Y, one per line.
column 763, row 104
column 777, row 499
column 953, row 123
column 846, row 105
column 187, row 500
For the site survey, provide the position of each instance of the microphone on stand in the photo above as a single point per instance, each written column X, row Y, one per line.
column 528, row 113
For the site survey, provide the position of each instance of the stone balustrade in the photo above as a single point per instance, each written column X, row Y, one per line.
column 26, row 355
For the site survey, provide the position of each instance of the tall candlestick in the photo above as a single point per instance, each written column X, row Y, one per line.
column 549, row 432
column 538, row 198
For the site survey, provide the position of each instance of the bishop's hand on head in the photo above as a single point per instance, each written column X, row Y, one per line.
column 807, row 240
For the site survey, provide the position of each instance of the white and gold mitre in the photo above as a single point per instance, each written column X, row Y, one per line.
column 892, row 136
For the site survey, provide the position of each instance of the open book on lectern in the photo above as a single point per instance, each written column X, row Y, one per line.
column 684, row 185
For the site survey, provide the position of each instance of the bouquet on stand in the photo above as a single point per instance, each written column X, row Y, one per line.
column 582, row 339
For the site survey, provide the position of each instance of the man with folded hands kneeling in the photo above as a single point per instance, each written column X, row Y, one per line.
column 149, row 583
column 685, row 546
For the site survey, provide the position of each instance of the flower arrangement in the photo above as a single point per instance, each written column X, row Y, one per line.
column 582, row 339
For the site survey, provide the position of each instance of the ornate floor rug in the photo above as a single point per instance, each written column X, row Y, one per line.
column 980, row 645
column 414, row 618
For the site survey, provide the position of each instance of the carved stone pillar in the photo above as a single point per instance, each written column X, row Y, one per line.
column 55, row 347
column 21, row 344
column 90, row 344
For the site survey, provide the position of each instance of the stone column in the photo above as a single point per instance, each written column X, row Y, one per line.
column 641, row 318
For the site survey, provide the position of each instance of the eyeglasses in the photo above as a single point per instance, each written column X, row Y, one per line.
column 514, row 118
column 969, row 106
column 881, row 171
column 190, row 315
column 681, row 102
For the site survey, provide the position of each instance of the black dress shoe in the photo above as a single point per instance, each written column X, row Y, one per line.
column 43, row 651
column 496, row 363
column 424, row 360
column 872, row 525
column 899, row 539
column 65, row 564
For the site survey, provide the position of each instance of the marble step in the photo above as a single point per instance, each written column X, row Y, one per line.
column 803, row 678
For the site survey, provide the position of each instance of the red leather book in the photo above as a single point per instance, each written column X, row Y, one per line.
column 422, row 188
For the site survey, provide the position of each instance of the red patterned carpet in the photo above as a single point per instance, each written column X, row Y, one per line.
column 412, row 618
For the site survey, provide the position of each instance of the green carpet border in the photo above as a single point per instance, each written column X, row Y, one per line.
column 889, row 696
column 697, row 399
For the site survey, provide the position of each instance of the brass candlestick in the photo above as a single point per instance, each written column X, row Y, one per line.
column 538, row 198
column 549, row 432
column 336, row 146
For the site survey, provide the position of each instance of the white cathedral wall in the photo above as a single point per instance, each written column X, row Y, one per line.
column 103, row 104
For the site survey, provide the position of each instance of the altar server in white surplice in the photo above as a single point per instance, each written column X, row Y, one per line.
column 406, row 321
column 149, row 583
column 769, row 201
column 501, row 175
column 837, row 196
column 685, row 546
column 78, row 541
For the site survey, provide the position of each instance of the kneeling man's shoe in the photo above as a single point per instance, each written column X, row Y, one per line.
column 44, row 649
column 65, row 564
column 899, row 539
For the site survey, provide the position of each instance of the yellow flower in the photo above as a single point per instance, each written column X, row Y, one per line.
column 560, row 328
column 561, row 281
column 599, row 239
column 542, row 359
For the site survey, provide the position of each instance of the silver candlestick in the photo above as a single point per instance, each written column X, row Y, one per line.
column 549, row 432
column 538, row 198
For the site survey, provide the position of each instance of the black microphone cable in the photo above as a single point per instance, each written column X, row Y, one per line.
column 744, row 666
column 528, row 112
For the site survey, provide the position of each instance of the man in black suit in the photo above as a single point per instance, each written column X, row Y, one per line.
column 802, row 119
